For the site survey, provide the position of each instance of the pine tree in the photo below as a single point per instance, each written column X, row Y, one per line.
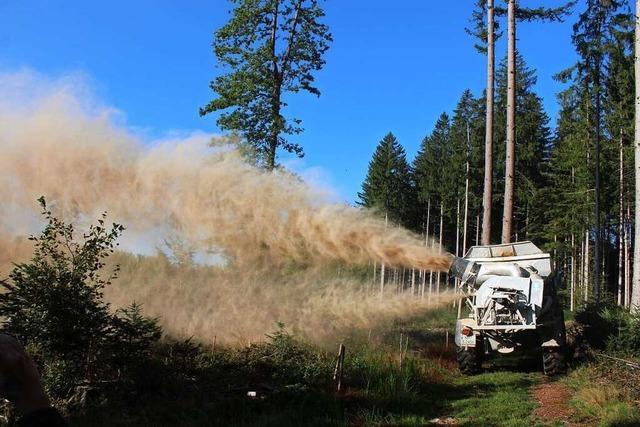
column 533, row 145
column 488, row 153
column 486, row 31
column 617, row 151
column 388, row 187
column 509, row 178
column 271, row 47
column 427, row 165
column 593, row 37
column 635, row 298
column 440, row 169
column 567, row 200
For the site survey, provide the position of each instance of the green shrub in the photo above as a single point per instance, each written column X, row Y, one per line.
column 284, row 360
column 54, row 305
column 611, row 327
column 624, row 336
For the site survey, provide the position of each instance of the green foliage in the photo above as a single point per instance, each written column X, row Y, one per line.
column 439, row 168
column 533, row 142
column 270, row 47
column 54, row 304
column 611, row 327
column 388, row 187
column 478, row 19
column 381, row 376
column 136, row 334
column 624, row 337
column 284, row 360
column 602, row 397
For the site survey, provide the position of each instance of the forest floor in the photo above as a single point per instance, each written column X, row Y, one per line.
column 293, row 387
column 514, row 392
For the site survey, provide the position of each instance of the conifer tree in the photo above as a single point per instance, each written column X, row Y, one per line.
column 270, row 47
column 388, row 187
column 486, row 30
column 635, row 298
column 533, row 136
column 592, row 36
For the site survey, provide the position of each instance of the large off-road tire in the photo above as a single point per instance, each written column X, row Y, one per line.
column 553, row 361
column 469, row 360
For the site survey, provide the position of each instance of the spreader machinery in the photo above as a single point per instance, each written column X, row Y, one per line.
column 510, row 305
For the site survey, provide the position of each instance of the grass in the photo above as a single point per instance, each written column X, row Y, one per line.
column 599, row 398
column 191, row 386
column 495, row 399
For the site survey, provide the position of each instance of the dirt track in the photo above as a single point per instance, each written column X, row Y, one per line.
column 553, row 399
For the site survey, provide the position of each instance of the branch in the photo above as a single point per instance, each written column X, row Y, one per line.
column 274, row 29
column 287, row 55
column 554, row 14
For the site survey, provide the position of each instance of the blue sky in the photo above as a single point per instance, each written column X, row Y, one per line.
column 393, row 66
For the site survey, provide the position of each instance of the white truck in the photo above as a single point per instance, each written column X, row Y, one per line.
column 510, row 305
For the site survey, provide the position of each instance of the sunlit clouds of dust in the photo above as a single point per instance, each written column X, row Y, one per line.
column 270, row 239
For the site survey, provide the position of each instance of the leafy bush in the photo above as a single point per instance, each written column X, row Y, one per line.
column 54, row 305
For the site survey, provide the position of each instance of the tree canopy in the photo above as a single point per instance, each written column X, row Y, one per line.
column 268, row 48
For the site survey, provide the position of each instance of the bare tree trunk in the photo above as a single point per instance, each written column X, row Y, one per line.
column 440, row 248
column 555, row 252
column 487, row 194
column 586, row 266
column 455, row 281
column 627, row 260
column 458, row 228
column 581, row 271
column 598, row 233
column 386, row 222
column 477, row 230
column 413, row 281
column 621, row 225
column 507, row 216
column 375, row 267
column 433, row 245
column 573, row 272
column 275, row 93
column 426, row 243
column 466, row 196
column 635, row 288
column 382, row 272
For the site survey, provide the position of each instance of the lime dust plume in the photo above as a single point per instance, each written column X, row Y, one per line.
column 265, row 239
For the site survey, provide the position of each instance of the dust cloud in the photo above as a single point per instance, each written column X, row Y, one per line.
column 266, row 246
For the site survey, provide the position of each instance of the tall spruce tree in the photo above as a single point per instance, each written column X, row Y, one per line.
column 533, row 137
column 635, row 298
column 270, row 47
column 388, row 187
column 427, row 166
column 509, row 178
column 617, row 153
column 593, row 34
column 440, row 173
column 567, row 200
column 485, row 31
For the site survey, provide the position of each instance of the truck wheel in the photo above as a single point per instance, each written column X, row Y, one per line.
column 469, row 360
column 553, row 361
